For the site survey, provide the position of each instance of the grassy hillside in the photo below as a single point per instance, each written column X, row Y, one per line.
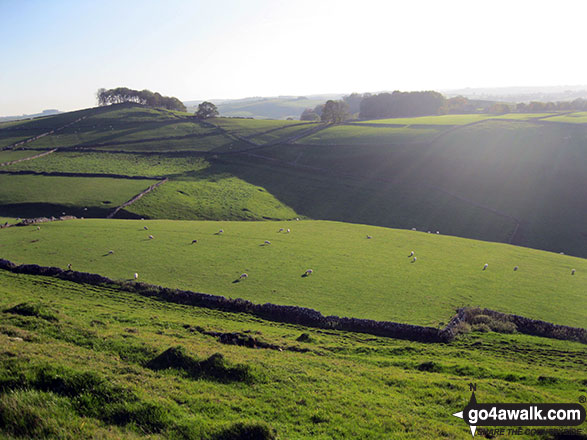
column 34, row 196
column 353, row 276
column 508, row 178
column 101, row 377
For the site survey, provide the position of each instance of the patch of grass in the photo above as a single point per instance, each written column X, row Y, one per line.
column 36, row 196
column 113, row 163
column 210, row 195
column 453, row 119
column 362, row 135
column 10, row 155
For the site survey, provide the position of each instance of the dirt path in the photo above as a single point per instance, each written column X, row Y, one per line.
column 137, row 197
column 36, row 156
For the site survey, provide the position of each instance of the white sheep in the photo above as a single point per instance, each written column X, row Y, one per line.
column 243, row 276
column 413, row 229
column 110, row 252
column 485, row 266
column 412, row 254
column 288, row 231
column 151, row 237
column 309, row 272
column 136, row 276
column 438, row 232
column 515, row 268
column 573, row 272
column 297, row 219
column 69, row 266
column 414, row 260
column 145, row 228
column 428, row 232
column 369, row 237
column 38, row 228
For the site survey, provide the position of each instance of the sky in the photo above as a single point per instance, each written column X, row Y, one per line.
column 57, row 54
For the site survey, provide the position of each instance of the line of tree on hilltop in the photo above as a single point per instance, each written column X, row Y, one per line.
column 120, row 95
column 410, row 104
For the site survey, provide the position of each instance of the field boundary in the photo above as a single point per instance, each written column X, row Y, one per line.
column 66, row 174
column 36, row 156
column 306, row 316
column 137, row 197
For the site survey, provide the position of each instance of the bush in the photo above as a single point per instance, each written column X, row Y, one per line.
column 483, row 328
column 37, row 310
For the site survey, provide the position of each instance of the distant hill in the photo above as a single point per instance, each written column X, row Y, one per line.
column 48, row 112
column 279, row 107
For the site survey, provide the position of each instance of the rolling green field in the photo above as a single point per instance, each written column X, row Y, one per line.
column 250, row 127
column 10, row 155
column 353, row 276
column 210, row 195
column 574, row 118
column 454, row 119
column 36, row 196
column 111, row 163
column 357, row 135
column 101, row 377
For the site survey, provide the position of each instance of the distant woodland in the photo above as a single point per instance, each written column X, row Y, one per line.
column 145, row 97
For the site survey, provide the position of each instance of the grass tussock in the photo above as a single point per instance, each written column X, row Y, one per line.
column 215, row 368
column 31, row 309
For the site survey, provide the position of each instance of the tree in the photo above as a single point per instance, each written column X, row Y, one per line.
column 335, row 111
column 309, row 115
column 206, row 110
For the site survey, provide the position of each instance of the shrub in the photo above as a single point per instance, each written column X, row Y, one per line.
column 37, row 310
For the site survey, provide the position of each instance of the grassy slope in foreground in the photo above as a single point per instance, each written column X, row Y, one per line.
column 347, row 386
column 353, row 276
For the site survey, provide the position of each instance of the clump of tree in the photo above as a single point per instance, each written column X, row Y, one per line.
column 354, row 102
column 401, row 104
column 309, row 115
column 335, row 112
column 206, row 110
column 145, row 97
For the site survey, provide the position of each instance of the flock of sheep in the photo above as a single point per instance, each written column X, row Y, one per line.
column 308, row 272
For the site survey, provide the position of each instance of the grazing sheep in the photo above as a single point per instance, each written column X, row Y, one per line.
column 267, row 242
column 221, row 231
column 515, row 268
column 309, row 272
column 110, row 252
column 243, row 276
column 63, row 213
column 297, row 219
column 428, row 232
column 573, row 272
column 38, row 228
column 151, row 237
column 412, row 254
column 288, row 231
column 369, row 237
column 438, row 232
column 280, row 230
column 562, row 253
column 69, row 266
column 194, row 241
column 414, row 260
column 485, row 266
column 145, row 228
column 136, row 276
column 413, row 229
column 85, row 209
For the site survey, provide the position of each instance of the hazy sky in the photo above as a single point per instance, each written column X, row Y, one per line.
column 56, row 54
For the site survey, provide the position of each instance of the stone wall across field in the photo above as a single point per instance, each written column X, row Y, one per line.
column 306, row 316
